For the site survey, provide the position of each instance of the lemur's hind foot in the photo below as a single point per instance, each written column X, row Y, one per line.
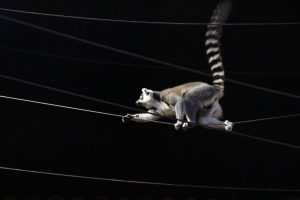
column 178, row 125
column 183, row 125
column 228, row 125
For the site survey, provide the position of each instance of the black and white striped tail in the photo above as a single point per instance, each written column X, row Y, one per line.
column 212, row 43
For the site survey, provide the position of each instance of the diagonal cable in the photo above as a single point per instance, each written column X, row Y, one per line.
column 73, row 108
column 267, row 118
column 143, row 57
column 97, row 61
column 148, row 22
column 159, row 122
column 102, row 179
column 69, row 93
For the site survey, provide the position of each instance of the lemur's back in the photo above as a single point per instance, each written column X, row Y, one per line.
column 171, row 95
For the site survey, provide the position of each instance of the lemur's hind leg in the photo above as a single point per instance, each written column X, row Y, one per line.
column 186, row 109
column 179, row 111
column 216, row 110
column 191, row 115
column 211, row 118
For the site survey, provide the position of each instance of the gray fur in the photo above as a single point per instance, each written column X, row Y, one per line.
column 196, row 102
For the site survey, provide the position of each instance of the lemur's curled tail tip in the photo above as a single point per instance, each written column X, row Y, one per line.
column 222, row 11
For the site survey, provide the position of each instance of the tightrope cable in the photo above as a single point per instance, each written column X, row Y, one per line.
column 86, row 97
column 267, row 118
column 145, row 182
column 265, row 140
column 159, row 122
column 69, row 93
column 121, row 105
column 59, row 106
column 81, row 96
column 148, row 22
column 86, row 60
column 142, row 57
column 264, row 73
column 74, row 108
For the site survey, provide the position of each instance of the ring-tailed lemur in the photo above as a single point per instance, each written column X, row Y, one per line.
column 197, row 102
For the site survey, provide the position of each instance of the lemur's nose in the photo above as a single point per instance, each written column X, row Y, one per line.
column 137, row 103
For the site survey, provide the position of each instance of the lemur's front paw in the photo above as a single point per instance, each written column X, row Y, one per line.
column 228, row 125
column 178, row 125
column 129, row 117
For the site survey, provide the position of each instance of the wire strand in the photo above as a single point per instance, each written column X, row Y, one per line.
column 88, row 97
column 267, row 118
column 75, row 108
column 83, row 96
column 121, row 105
column 119, row 51
column 69, row 93
column 263, row 73
column 153, row 60
column 158, row 122
column 145, row 182
column 265, row 140
column 59, row 106
column 147, row 22
column 137, row 65
column 78, row 59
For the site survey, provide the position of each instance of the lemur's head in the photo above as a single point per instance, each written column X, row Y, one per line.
column 149, row 99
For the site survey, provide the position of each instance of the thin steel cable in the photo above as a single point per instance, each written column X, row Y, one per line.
column 84, row 96
column 265, row 140
column 153, row 121
column 266, row 119
column 148, row 22
column 120, row 105
column 59, row 106
column 146, row 182
column 117, row 50
column 78, row 59
column 69, row 93
column 264, row 73
column 137, row 65
column 142, row 57
column 75, row 108
column 87, row 97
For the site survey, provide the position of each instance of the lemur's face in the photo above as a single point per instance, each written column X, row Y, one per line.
column 146, row 99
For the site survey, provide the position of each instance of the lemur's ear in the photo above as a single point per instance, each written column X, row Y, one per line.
column 156, row 96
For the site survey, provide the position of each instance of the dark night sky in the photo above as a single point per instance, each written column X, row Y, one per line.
column 51, row 139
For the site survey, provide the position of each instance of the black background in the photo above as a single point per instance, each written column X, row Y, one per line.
column 53, row 139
